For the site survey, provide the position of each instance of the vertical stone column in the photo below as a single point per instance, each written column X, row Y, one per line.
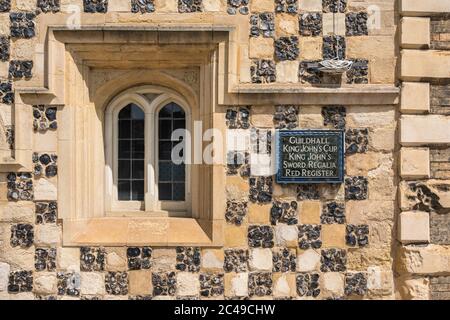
column 423, row 258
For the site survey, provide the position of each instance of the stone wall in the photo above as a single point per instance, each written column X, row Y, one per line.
column 424, row 159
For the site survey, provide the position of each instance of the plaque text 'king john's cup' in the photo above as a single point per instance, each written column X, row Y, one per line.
column 310, row 156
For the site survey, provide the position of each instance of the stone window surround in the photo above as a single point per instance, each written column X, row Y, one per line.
column 151, row 206
column 48, row 87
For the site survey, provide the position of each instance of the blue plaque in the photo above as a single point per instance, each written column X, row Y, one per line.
column 310, row 156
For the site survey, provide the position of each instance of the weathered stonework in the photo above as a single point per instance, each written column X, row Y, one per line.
column 68, row 283
column 142, row 6
column 260, row 236
column 22, row 24
column 284, row 212
column 334, row 116
column 45, row 259
column 4, row 49
column 308, row 284
column 235, row 6
column 20, row 281
column 46, row 212
column 92, row 259
column 286, row 117
column 5, row 5
column 279, row 241
column 20, row 69
column 93, row 6
column 439, row 288
column 440, row 99
column 356, row 188
column 440, row 31
column 188, row 259
column 286, row 48
column 49, row 5
column 262, row 24
column 22, row 235
column 139, row 258
column 6, row 93
column 356, row 141
column 356, row 24
column 44, row 118
column 45, row 165
column 310, row 24
column 263, row 71
column 286, row 6
column 238, row 118
column 309, row 236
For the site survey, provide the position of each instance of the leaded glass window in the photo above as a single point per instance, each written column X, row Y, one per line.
column 131, row 153
column 171, row 176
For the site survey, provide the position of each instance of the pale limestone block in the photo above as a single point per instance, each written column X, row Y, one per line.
column 439, row 188
column 23, row 5
column 310, row 5
column 380, row 281
column 45, row 142
column 45, row 283
column 287, row 71
column 212, row 259
column 18, row 258
column 4, row 67
column 262, row 116
column 260, row 165
column 376, row 49
column 23, row 49
column 382, row 70
column 261, row 48
column 245, row 64
column 415, row 97
column 116, row 259
column 358, row 117
column 4, row 276
column 286, row 25
column 260, row 259
column 415, row 163
column 47, row 234
column 311, row 48
column 119, row 6
column 410, row 288
column 286, row 235
column 262, row 5
column 17, row 212
column 214, row 5
column 44, row 190
column 163, row 259
column 421, row 130
column 68, row 259
column 4, row 24
column 235, row 236
column 333, row 235
column 414, row 227
column 140, row 282
column 424, row 8
column 188, row 284
column 284, row 285
column 334, row 24
column 332, row 284
column 92, row 283
column 236, row 284
column 424, row 260
column 365, row 211
column 419, row 64
column 238, row 140
column 383, row 139
column 415, row 32
column 72, row 6
column 308, row 260
column 166, row 6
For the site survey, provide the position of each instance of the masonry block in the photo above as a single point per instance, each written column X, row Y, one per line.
column 414, row 227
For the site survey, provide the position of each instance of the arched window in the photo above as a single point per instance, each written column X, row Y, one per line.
column 131, row 153
column 171, row 176
column 141, row 174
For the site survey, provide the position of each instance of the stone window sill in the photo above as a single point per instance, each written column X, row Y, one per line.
column 140, row 231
